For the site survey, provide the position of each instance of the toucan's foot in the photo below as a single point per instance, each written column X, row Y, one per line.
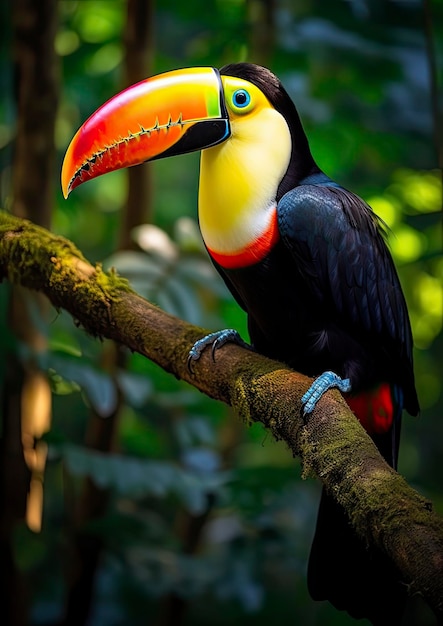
column 325, row 381
column 216, row 340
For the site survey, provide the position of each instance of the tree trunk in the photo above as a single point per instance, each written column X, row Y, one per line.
column 26, row 394
column 139, row 47
column 261, row 18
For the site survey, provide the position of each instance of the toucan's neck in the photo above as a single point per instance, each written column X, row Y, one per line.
column 239, row 180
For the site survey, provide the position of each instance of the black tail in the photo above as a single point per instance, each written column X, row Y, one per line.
column 343, row 570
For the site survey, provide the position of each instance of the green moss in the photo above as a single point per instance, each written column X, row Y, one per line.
column 32, row 256
column 35, row 258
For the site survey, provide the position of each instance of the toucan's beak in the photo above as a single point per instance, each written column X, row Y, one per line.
column 173, row 113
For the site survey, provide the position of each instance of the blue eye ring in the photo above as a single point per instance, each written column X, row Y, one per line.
column 241, row 98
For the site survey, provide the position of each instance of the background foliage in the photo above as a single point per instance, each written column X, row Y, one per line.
column 187, row 515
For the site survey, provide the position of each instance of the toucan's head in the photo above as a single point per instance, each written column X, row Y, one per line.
column 187, row 110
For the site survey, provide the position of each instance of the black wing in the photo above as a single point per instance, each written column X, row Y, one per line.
column 337, row 245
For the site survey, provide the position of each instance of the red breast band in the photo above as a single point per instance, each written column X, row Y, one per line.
column 253, row 252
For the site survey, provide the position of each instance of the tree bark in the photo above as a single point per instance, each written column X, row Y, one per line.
column 36, row 96
column 331, row 444
column 26, row 396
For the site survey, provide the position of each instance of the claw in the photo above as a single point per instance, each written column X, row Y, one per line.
column 216, row 340
column 325, row 381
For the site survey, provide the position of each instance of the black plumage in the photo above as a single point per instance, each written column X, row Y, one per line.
column 327, row 297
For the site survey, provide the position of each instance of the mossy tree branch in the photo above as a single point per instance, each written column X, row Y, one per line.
column 332, row 444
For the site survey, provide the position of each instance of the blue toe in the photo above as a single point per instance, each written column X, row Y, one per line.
column 325, row 381
column 216, row 340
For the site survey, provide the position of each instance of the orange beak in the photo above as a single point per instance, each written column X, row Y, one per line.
column 172, row 113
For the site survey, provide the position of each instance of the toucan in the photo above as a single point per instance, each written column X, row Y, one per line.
column 305, row 258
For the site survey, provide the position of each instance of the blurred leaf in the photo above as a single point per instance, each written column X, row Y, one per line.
column 200, row 272
column 136, row 389
column 166, row 277
column 98, row 386
column 154, row 240
column 98, row 21
column 139, row 478
column 194, row 430
column 201, row 460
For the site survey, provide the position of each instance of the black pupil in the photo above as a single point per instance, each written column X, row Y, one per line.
column 240, row 98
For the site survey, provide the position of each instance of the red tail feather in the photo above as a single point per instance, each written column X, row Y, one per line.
column 374, row 409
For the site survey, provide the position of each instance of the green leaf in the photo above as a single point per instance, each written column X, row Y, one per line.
column 139, row 478
column 135, row 387
column 98, row 387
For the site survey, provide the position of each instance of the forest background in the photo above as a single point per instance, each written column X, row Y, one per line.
column 158, row 504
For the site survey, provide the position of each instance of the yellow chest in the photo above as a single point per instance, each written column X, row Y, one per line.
column 238, row 185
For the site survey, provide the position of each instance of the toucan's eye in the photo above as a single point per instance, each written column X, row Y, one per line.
column 241, row 98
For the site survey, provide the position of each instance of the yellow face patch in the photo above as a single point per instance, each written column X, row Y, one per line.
column 239, row 178
column 242, row 97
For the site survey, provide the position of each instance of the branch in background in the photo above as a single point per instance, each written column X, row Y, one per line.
column 381, row 506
